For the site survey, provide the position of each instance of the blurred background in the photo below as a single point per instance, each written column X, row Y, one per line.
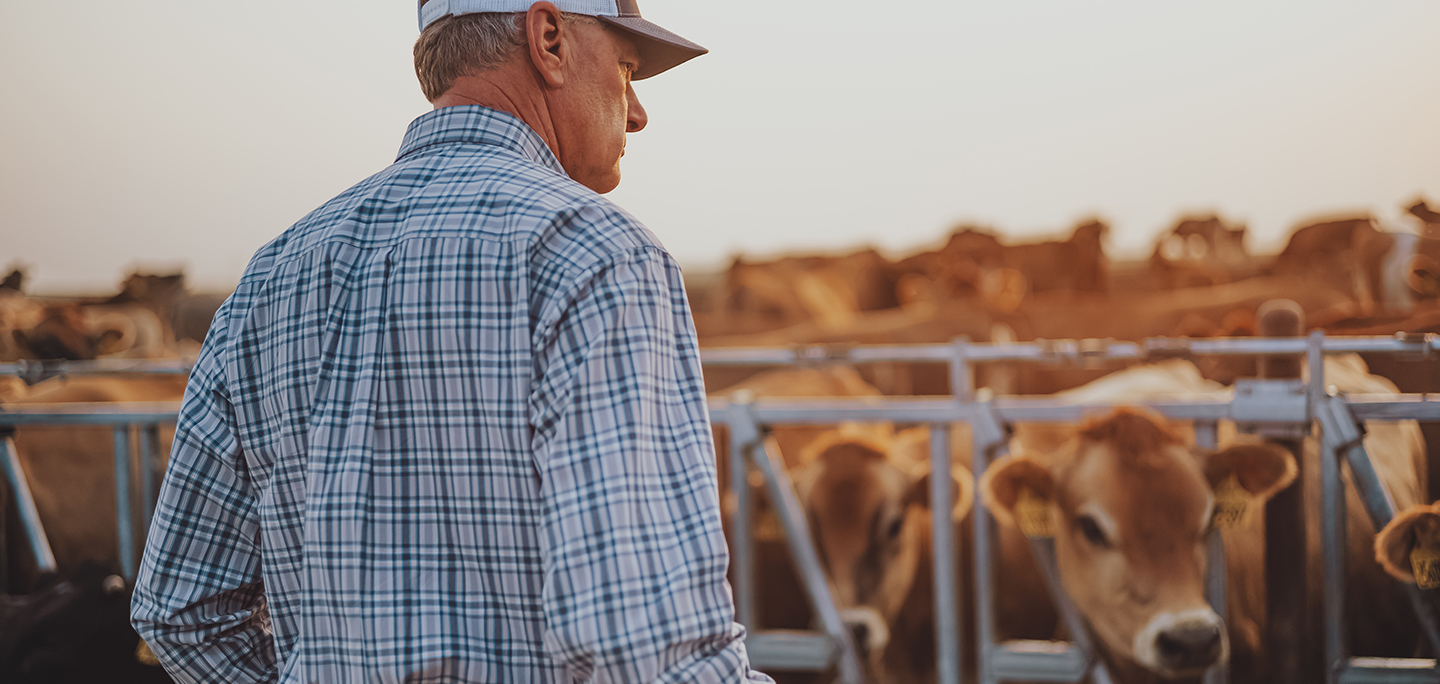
column 161, row 135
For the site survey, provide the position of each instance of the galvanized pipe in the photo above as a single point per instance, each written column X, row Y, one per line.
column 123, row 523
column 947, row 623
column 1332, row 546
column 743, row 435
column 1207, row 437
column 25, row 504
column 149, row 456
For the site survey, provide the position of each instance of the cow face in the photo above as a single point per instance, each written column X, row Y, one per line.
column 1131, row 509
column 1414, row 527
column 870, row 521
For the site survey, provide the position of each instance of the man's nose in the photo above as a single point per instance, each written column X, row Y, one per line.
column 635, row 118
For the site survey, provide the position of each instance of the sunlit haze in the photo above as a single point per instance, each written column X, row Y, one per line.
column 160, row 134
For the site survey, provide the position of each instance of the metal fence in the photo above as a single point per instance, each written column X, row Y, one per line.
column 1255, row 402
column 1260, row 404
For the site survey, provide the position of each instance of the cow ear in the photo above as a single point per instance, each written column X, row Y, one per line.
column 962, row 492
column 1261, row 469
column 1394, row 544
column 1007, row 478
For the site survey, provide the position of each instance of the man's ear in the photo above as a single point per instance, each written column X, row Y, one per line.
column 1008, row 477
column 1394, row 543
column 962, row 492
column 546, row 42
column 1261, row 469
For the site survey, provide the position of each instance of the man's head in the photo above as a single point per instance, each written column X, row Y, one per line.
column 566, row 74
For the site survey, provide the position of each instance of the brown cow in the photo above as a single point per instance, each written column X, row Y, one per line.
column 76, row 332
column 1348, row 251
column 868, row 505
column 1379, row 615
column 71, row 469
column 1199, row 251
column 828, row 290
column 1131, row 508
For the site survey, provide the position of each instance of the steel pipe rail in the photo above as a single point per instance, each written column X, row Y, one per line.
column 123, row 419
column 35, row 371
column 1275, row 407
column 126, row 413
column 1426, row 346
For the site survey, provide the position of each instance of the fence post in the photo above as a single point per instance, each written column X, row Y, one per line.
column 25, row 505
column 1285, row 575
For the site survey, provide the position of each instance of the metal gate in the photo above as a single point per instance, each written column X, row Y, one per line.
column 1257, row 402
column 1261, row 404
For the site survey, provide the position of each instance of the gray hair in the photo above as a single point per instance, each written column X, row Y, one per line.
column 466, row 44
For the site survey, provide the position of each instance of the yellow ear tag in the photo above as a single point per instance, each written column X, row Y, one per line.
column 1425, row 563
column 144, row 655
column 1033, row 515
column 1232, row 504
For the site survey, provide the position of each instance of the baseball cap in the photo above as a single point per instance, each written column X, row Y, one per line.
column 660, row 50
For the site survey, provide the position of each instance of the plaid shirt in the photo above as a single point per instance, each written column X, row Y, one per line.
column 449, row 428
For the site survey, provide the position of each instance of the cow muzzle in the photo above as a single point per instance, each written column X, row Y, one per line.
column 868, row 628
column 1183, row 643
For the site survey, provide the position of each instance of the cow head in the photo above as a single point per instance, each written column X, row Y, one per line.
column 68, row 332
column 1415, row 527
column 1131, row 509
column 869, row 514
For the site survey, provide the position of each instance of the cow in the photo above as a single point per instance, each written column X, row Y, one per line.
column 1423, row 272
column 72, row 631
column 1199, row 251
column 73, row 331
column 1129, row 502
column 829, row 290
column 867, row 498
column 1131, row 508
column 71, row 470
column 1351, row 251
column 975, row 263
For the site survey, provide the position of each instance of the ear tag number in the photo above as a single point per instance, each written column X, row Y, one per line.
column 1232, row 505
column 1033, row 515
column 1425, row 563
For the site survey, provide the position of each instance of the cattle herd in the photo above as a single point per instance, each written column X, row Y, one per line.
column 1127, row 496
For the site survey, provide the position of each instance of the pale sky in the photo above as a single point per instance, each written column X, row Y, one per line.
column 161, row 133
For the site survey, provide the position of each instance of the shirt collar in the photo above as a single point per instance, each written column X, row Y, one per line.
column 477, row 125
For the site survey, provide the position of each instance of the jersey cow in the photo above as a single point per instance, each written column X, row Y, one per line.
column 867, row 498
column 71, row 470
column 1131, row 504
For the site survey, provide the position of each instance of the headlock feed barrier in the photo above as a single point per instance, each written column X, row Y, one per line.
column 1280, row 407
column 136, row 431
column 1274, row 406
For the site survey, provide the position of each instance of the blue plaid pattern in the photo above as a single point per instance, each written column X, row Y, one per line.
column 449, row 428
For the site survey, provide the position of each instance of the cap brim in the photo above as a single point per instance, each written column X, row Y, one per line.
column 660, row 50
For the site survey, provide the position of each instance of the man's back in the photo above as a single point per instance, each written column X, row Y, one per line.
column 451, row 427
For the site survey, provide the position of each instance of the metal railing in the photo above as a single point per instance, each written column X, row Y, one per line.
column 141, row 421
column 1258, row 403
column 988, row 417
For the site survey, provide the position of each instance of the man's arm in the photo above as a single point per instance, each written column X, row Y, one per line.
column 199, row 601
column 634, row 561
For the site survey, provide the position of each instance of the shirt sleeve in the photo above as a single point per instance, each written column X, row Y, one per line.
column 199, row 602
column 634, row 558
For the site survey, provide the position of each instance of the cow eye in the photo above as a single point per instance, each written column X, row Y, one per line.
column 893, row 529
column 1092, row 531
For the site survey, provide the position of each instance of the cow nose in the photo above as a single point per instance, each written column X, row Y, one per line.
column 860, row 632
column 867, row 628
column 1189, row 646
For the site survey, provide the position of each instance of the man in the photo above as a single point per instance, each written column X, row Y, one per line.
column 451, row 426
